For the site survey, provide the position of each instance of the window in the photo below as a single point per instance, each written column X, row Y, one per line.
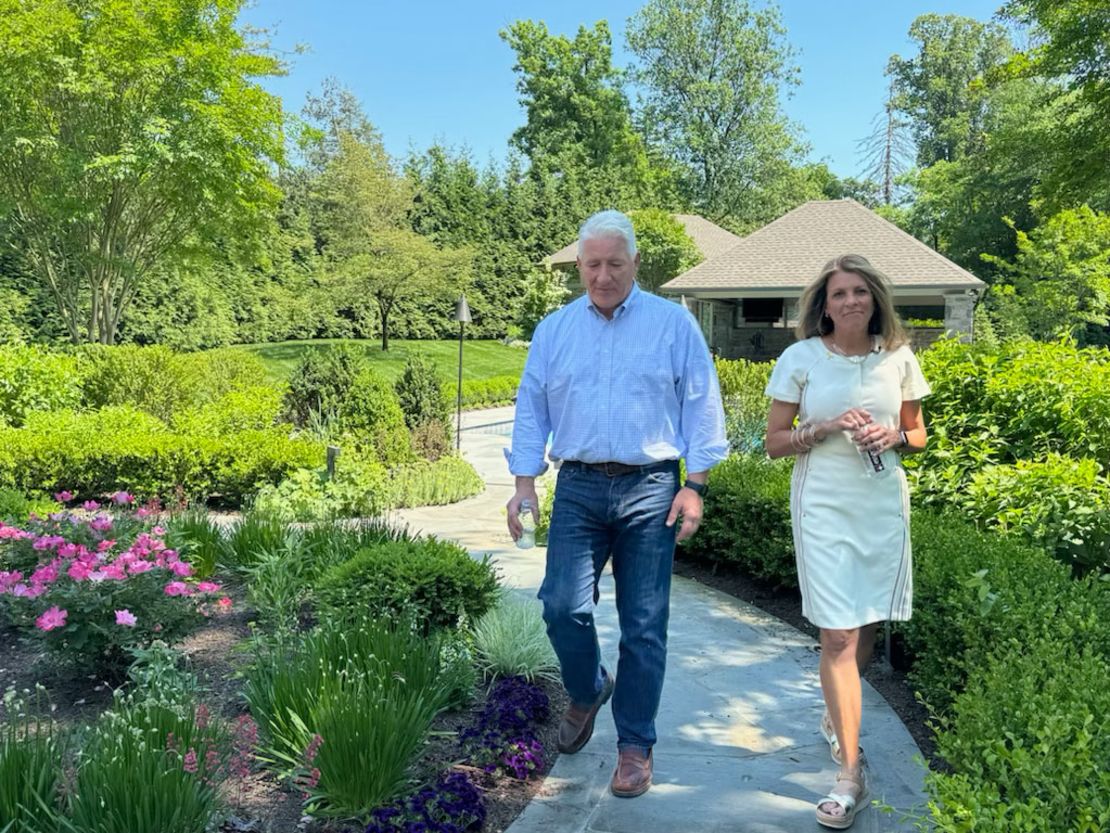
column 761, row 310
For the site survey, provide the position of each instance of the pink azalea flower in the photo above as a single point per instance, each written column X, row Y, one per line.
column 115, row 572
column 208, row 587
column 67, row 550
column 78, row 571
column 53, row 618
column 125, row 618
column 90, row 505
column 143, row 512
column 122, row 498
column 136, row 567
column 225, row 603
column 8, row 579
column 105, row 545
column 158, row 530
column 101, row 523
column 45, row 574
column 63, row 496
column 177, row 588
column 180, row 568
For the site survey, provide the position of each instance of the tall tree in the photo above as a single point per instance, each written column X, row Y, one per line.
column 711, row 73
column 129, row 131
column 941, row 88
column 888, row 150
column 1070, row 46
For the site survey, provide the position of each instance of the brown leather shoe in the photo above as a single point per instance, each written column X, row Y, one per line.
column 633, row 774
column 577, row 726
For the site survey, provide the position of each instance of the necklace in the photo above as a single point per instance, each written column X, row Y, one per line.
column 854, row 356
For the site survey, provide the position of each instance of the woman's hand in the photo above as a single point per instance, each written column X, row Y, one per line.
column 852, row 420
column 877, row 438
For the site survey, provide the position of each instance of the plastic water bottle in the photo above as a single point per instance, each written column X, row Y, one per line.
column 527, row 538
column 875, row 464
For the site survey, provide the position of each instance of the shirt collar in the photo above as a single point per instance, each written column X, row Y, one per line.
column 623, row 307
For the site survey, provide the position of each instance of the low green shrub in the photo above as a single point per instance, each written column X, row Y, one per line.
column 17, row 507
column 447, row 480
column 436, row 581
column 361, row 489
column 1059, row 503
column 124, row 448
column 197, row 538
column 34, row 379
column 746, row 406
column 747, row 518
column 482, row 393
column 976, row 592
column 321, row 381
column 254, row 408
column 1027, row 744
column 371, row 416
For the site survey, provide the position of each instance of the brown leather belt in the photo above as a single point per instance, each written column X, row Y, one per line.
column 621, row 469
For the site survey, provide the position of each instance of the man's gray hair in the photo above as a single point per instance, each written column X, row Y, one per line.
column 608, row 224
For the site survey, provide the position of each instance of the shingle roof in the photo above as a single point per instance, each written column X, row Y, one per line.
column 710, row 239
column 789, row 253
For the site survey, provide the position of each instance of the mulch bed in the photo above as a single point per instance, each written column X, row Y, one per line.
column 889, row 680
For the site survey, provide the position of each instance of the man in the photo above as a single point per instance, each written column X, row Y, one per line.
column 622, row 381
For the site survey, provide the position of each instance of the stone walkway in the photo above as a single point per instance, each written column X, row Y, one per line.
column 739, row 749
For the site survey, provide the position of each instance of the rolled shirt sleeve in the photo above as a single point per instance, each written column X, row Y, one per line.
column 532, row 423
column 699, row 394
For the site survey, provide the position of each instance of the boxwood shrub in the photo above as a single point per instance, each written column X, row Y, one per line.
column 747, row 518
column 437, row 581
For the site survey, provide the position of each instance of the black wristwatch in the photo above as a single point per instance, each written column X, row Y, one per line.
column 701, row 488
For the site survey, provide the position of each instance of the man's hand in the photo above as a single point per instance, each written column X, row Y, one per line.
column 688, row 504
column 525, row 490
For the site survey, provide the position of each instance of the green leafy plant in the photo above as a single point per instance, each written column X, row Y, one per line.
column 447, row 480
column 425, row 408
column 34, row 379
column 197, row 538
column 321, row 381
column 435, row 580
column 32, row 755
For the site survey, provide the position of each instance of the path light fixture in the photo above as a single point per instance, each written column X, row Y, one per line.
column 462, row 315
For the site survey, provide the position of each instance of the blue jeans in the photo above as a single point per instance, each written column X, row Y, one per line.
column 594, row 517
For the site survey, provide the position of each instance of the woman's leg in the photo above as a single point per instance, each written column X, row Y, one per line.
column 840, row 683
column 866, row 645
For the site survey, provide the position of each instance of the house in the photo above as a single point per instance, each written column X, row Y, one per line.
column 746, row 296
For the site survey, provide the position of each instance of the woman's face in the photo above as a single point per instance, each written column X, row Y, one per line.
column 848, row 302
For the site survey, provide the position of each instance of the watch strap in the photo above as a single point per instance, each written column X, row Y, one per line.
column 700, row 488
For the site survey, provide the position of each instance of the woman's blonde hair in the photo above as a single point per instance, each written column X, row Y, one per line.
column 884, row 320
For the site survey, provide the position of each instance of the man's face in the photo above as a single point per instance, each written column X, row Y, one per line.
column 607, row 272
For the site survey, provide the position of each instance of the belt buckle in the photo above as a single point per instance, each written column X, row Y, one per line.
column 609, row 469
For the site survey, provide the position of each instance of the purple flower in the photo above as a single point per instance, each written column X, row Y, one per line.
column 63, row 496
column 125, row 618
column 122, row 498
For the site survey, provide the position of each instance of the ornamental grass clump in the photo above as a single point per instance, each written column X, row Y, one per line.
column 93, row 582
column 151, row 767
column 370, row 691
column 511, row 640
column 32, row 752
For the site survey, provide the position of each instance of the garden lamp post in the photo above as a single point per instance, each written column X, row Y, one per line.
column 462, row 315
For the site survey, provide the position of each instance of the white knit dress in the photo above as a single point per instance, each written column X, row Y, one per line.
column 851, row 531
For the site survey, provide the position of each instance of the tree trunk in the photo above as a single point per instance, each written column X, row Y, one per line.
column 384, row 308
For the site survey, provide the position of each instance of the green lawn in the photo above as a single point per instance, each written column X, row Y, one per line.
column 481, row 359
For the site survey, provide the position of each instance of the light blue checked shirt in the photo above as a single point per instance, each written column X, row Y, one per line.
column 638, row 388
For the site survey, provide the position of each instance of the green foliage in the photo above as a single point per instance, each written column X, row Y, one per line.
column 665, row 248
column 511, row 640
column 321, row 381
column 420, row 394
column 197, row 538
column 371, row 415
column 253, row 537
column 255, row 408
column 33, row 379
column 17, row 507
column 32, row 752
column 132, row 778
column 361, row 489
column 121, row 448
column 747, row 518
column 299, row 687
column 146, row 166
column 712, row 75
column 447, row 480
column 484, row 393
column 746, row 405
column 1060, row 277
column 1059, row 503
column 1027, row 744
column 435, row 580
column 547, row 291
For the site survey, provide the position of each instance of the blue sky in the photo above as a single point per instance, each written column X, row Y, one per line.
column 437, row 71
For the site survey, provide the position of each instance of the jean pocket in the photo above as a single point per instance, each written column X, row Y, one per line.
column 662, row 478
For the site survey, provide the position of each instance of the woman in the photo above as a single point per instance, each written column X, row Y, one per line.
column 855, row 388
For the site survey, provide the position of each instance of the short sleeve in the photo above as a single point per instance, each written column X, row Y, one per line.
column 914, row 385
column 787, row 378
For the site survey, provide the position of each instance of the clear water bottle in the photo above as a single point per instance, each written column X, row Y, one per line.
column 875, row 464
column 527, row 538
